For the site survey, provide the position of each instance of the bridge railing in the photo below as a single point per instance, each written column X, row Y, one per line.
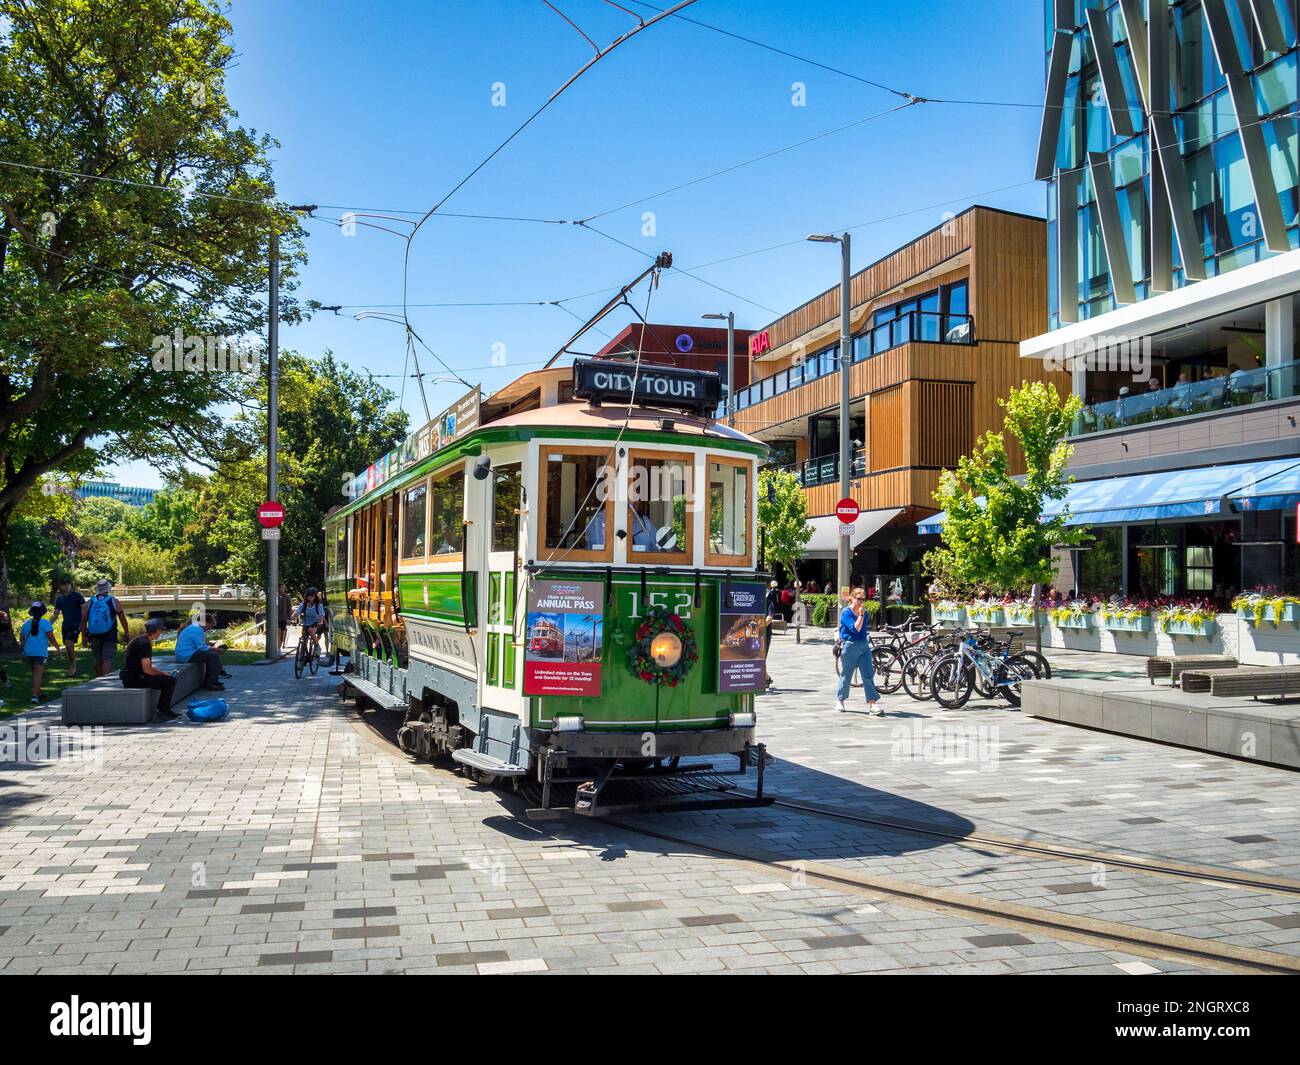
column 186, row 592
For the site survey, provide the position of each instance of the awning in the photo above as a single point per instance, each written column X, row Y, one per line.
column 826, row 531
column 1207, row 491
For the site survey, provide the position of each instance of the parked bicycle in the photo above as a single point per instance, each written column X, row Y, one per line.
column 953, row 674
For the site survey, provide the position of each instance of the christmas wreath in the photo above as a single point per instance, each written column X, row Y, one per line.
column 661, row 620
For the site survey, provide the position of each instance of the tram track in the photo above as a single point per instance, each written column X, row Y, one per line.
column 1131, row 939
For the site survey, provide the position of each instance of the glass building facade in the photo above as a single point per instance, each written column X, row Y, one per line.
column 1169, row 145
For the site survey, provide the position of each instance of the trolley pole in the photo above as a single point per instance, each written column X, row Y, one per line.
column 273, row 449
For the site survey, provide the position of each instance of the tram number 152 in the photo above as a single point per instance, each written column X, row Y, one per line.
column 683, row 602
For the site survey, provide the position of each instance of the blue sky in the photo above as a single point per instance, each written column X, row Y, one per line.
column 387, row 105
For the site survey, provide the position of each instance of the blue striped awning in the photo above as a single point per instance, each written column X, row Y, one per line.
column 1206, row 491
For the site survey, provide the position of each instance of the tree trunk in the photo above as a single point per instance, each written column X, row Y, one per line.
column 8, row 643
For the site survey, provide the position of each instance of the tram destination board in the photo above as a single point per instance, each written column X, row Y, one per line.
column 606, row 381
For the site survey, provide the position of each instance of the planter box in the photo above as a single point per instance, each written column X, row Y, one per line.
column 1142, row 624
column 1025, row 617
column 1078, row 623
column 1290, row 614
column 957, row 615
column 990, row 617
column 1187, row 628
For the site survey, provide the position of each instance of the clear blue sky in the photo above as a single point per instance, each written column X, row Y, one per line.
column 387, row 104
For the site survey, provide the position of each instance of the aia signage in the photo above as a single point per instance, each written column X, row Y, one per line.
column 759, row 343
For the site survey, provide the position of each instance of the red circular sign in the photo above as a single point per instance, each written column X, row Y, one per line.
column 847, row 510
column 270, row 514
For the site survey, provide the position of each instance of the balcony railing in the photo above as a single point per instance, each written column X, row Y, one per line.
column 826, row 469
column 1243, row 388
column 929, row 327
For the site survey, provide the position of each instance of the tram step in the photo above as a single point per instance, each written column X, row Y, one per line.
column 485, row 763
column 376, row 694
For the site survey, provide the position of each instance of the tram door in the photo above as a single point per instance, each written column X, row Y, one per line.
column 503, row 658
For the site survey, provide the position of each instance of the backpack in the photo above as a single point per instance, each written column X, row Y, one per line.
column 99, row 619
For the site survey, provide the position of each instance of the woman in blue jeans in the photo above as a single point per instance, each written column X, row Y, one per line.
column 855, row 652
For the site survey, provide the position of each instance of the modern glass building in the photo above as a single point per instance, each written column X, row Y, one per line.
column 136, row 497
column 1169, row 145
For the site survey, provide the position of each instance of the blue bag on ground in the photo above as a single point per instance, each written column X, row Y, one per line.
column 207, row 709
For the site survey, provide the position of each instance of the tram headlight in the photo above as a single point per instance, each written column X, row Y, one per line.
column 666, row 650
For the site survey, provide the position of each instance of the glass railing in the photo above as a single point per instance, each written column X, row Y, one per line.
column 1242, row 388
column 826, row 469
column 927, row 327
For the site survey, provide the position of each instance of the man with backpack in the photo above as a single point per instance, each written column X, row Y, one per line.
column 99, row 620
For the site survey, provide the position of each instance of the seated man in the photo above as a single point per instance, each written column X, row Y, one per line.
column 643, row 531
column 138, row 670
column 192, row 646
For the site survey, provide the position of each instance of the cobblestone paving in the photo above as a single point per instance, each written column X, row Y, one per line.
column 288, row 839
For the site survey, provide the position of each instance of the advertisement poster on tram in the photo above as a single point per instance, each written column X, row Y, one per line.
column 566, row 632
column 742, row 666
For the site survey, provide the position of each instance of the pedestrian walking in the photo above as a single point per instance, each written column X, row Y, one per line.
column 772, row 604
column 787, row 603
column 138, row 669
column 855, row 653
column 37, row 636
column 283, row 608
column 68, row 604
column 99, row 620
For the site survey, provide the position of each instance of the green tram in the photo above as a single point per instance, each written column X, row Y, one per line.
column 540, row 582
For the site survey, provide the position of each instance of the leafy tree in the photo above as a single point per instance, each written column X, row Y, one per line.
column 133, row 209
column 33, row 556
column 995, row 538
column 164, row 521
column 783, row 517
column 103, row 516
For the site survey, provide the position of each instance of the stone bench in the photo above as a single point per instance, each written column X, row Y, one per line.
column 1172, row 666
column 103, row 701
column 1250, row 680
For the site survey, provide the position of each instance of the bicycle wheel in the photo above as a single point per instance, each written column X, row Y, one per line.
column 916, row 676
column 1038, row 663
column 1017, row 670
column 313, row 658
column 951, row 681
column 886, row 670
column 299, row 659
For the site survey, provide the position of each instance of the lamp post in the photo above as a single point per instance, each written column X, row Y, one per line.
column 846, row 362
column 730, row 316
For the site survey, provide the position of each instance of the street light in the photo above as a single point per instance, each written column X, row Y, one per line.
column 731, row 357
column 846, row 361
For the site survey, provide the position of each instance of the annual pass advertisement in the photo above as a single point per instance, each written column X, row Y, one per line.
column 566, row 629
column 742, row 666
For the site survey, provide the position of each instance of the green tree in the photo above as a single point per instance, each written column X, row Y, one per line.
column 995, row 538
column 103, row 516
column 133, row 209
column 783, row 517
column 164, row 521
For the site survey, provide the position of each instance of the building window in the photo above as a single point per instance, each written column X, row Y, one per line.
column 447, row 513
column 507, row 488
column 1200, row 570
column 728, row 518
column 659, row 505
column 577, row 502
column 414, row 520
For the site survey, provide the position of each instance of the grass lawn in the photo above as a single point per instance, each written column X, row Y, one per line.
column 17, row 696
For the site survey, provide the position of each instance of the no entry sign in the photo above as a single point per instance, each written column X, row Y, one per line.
column 847, row 510
column 270, row 514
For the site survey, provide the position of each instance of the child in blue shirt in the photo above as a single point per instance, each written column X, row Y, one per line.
column 37, row 635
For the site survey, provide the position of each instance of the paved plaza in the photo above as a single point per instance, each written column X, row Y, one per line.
column 293, row 838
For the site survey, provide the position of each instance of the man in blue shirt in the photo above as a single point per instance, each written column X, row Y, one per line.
column 192, row 646
column 855, row 652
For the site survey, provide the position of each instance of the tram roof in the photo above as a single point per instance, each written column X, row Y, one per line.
column 575, row 420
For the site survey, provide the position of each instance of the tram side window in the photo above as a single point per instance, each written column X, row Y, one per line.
column 729, row 509
column 575, row 502
column 507, row 484
column 414, row 520
column 659, row 505
column 341, row 548
column 447, row 514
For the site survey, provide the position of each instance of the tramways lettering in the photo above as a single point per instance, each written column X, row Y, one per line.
column 439, row 643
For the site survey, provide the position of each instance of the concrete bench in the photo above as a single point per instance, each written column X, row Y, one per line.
column 1172, row 666
column 1249, row 680
column 103, row 701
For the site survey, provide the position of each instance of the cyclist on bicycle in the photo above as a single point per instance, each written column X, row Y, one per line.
column 313, row 616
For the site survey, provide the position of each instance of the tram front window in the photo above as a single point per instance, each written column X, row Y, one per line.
column 575, row 501
column 659, row 503
column 729, row 509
